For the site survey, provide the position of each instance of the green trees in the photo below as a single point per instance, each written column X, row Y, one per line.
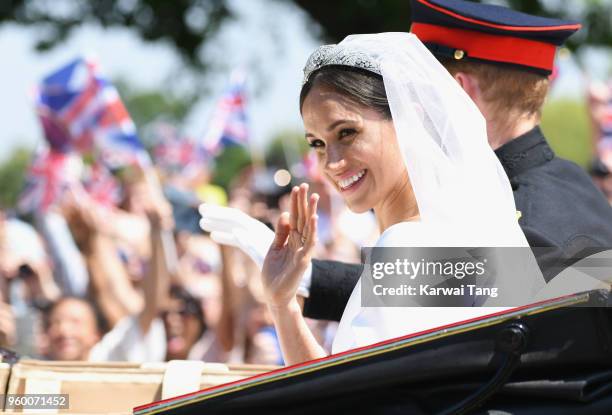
column 12, row 174
column 566, row 125
column 189, row 24
column 185, row 24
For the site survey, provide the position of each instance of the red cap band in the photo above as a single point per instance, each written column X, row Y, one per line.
column 495, row 48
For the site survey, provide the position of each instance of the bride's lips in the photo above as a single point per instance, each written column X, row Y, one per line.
column 352, row 182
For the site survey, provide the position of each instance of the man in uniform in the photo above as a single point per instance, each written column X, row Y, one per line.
column 502, row 59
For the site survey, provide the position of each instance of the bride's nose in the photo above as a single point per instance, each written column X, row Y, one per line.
column 335, row 160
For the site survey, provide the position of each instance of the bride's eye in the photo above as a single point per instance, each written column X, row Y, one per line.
column 316, row 143
column 345, row 132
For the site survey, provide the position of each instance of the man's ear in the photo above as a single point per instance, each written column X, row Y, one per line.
column 469, row 83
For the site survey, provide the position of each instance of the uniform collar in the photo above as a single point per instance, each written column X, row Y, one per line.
column 524, row 152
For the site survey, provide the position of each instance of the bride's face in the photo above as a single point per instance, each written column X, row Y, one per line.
column 356, row 147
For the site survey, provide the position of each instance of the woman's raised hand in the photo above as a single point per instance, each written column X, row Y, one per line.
column 292, row 248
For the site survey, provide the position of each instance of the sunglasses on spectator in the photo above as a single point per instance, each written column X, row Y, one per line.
column 183, row 312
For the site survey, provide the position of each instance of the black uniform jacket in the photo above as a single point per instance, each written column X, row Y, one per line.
column 560, row 208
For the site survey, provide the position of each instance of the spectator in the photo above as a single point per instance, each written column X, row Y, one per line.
column 184, row 323
column 73, row 327
column 137, row 334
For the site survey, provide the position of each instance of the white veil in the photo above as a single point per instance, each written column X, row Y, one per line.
column 442, row 134
column 460, row 186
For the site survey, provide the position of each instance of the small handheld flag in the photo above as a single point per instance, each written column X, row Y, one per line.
column 174, row 152
column 49, row 176
column 102, row 186
column 229, row 123
column 81, row 110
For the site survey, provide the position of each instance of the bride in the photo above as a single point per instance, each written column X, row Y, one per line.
column 395, row 133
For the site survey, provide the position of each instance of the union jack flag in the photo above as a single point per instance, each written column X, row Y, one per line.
column 174, row 152
column 229, row 123
column 102, row 186
column 81, row 110
column 49, row 176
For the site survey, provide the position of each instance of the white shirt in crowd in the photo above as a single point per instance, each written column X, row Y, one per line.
column 125, row 342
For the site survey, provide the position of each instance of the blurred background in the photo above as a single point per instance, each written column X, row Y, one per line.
column 119, row 117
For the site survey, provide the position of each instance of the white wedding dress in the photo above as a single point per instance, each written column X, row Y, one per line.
column 362, row 326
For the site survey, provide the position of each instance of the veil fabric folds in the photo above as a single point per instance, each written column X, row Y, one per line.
column 463, row 194
column 443, row 137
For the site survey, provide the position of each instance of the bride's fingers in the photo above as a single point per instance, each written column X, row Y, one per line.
column 283, row 228
column 311, row 238
column 314, row 201
column 294, row 207
column 302, row 208
column 312, row 210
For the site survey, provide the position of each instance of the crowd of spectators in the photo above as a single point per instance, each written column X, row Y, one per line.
column 141, row 282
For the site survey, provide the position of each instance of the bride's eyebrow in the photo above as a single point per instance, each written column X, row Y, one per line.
column 330, row 127
column 337, row 123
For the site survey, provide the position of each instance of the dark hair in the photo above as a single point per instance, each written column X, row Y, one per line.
column 361, row 86
column 102, row 324
column 191, row 306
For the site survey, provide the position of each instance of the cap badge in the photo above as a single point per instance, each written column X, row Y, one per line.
column 459, row 54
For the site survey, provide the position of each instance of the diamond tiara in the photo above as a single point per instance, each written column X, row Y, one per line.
column 327, row 55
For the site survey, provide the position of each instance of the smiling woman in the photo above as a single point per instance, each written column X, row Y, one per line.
column 348, row 123
column 395, row 133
